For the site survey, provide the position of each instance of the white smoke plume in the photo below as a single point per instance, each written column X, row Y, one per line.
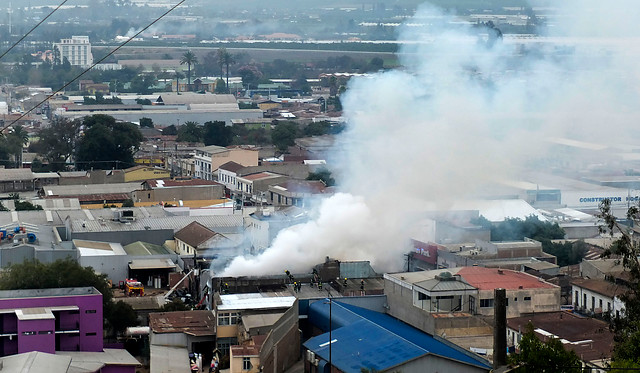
column 457, row 116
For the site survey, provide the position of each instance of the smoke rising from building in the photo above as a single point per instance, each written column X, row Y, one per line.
column 464, row 110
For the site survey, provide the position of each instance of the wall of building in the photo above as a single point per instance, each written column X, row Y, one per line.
column 168, row 339
column 589, row 300
column 434, row 364
column 175, row 194
column 281, row 349
column 89, row 318
column 237, row 364
column 166, row 117
column 400, row 306
column 540, row 300
column 36, row 335
column 155, row 236
column 145, row 174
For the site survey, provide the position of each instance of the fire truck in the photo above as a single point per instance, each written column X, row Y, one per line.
column 131, row 286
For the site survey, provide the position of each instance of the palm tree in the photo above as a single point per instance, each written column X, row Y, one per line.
column 190, row 59
column 225, row 59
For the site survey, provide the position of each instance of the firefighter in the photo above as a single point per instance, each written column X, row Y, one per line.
column 362, row 284
column 295, row 286
column 344, row 283
column 320, row 285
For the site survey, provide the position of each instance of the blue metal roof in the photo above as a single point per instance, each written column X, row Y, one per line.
column 369, row 339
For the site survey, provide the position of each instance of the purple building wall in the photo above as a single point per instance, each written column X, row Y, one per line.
column 77, row 330
column 36, row 335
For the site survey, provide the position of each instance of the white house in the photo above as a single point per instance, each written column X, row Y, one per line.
column 597, row 296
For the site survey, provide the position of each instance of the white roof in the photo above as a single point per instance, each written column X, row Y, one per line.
column 253, row 301
column 498, row 210
column 97, row 248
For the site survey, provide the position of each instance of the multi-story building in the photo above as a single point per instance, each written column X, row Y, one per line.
column 76, row 50
column 209, row 158
column 50, row 320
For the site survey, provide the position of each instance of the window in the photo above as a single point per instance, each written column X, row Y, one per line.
column 90, row 334
column 90, row 311
column 227, row 318
column 28, row 333
column 600, row 304
column 45, row 332
column 486, row 303
column 527, row 298
column 609, row 306
column 246, row 363
column 422, row 296
column 515, row 299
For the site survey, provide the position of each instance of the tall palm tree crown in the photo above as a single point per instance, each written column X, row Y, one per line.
column 189, row 59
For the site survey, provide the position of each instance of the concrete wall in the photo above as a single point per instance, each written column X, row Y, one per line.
column 435, row 364
column 541, row 300
column 18, row 254
column 168, row 339
column 174, row 194
column 155, row 236
column 400, row 306
column 281, row 349
column 589, row 300
column 145, row 174
column 36, row 335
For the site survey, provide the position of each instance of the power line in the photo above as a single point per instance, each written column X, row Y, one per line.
column 33, row 28
column 93, row 65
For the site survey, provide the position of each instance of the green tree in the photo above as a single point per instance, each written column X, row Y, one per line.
column 58, row 142
column 225, row 59
column 284, row 135
column 514, row 229
column 120, row 316
column 59, row 274
column 26, row 206
column 536, row 356
column 323, row 175
column 170, row 130
column 221, row 86
column 146, row 122
column 189, row 59
column 128, row 203
column 16, row 140
column 217, row 133
column 175, row 305
column 107, row 143
column 190, row 132
column 250, row 74
column 626, row 326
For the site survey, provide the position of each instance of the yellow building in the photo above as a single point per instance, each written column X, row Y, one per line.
column 142, row 173
column 269, row 105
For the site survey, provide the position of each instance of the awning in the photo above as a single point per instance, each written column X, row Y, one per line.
column 152, row 264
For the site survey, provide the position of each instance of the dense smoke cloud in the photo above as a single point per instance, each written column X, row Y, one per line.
column 464, row 111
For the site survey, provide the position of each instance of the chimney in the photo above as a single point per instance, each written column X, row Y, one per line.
column 500, row 328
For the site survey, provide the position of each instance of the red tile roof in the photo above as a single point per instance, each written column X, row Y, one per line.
column 231, row 166
column 259, row 175
column 194, row 234
column 493, row 278
column 196, row 323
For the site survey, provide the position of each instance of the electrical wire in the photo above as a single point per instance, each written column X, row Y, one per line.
column 33, row 28
column 92, row 66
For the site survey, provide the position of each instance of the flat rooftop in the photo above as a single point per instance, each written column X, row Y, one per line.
column 39, row 293
column 254, row 301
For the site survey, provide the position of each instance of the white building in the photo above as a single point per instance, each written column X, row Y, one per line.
column 597, row 296
column 76, row 50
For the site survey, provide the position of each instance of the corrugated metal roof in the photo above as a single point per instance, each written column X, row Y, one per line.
column 68, row 190
column 372, row 340
column 439, row 285
column 220, row 223
column 11, row 174
column 36, row 362
column 151, row 264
